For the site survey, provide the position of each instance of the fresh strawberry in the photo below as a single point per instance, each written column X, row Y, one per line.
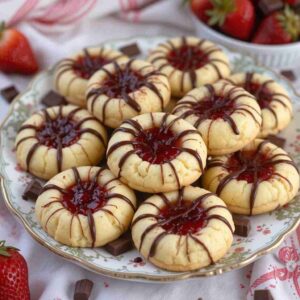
column 16, row 55
column 200, row 7
column 281, row 27
column 13, row 274
column 234, row 17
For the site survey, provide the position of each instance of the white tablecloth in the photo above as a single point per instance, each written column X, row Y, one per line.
column 53, row 278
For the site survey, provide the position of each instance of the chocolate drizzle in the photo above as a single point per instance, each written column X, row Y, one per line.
column 68, row 133
column 216, row 106
column 84, row 66
column 264, row 96
column 93, row 182
column 188, row 59
column 136, row 130
column 161, row 222
column 254, row 165
column 121, row 83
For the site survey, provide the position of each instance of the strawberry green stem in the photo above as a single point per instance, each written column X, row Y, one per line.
column 2, row 28
column 4, row 249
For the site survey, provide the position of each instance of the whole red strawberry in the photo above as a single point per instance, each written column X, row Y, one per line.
column 16, row 55
column 281, row 27
column 234, row 17
column 13, row 274
column 200, row 8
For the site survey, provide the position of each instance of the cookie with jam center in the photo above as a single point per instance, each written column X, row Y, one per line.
column 190, row 62
column 58, row 138
column 183, row 230
column 156, row 152
column 72, row 74
column 85, row 207
column 121, row 91
column 257, row 179
column 272, row 98
column 228, row 117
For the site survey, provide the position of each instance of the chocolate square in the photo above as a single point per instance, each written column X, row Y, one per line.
column 269, row 6
column 289, row 74
column 263, row 295
column 83, row 289
column 276, row 140
column 242, row 225
column 9, row 93
column 131, row 50
column 32, row 190
column 52, row 99
column 122, row 244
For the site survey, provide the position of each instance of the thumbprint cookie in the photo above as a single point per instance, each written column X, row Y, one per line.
column 85, row 207
column 121, row 91
column 156, row 152
column 190, row 62
column 272, row 98
column 183, row 230
column 258, row 179
column 72, row 74
column 58, row 138
column 228, row 117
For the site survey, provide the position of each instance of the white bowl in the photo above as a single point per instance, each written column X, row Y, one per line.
column 277, row 56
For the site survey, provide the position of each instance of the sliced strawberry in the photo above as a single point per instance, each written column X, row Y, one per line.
column 16, row 55
column 281, row 27
column 13, row 274
column 234, row 17
column 200, row 8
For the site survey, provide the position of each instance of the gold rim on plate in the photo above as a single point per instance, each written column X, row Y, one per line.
column 131, row 275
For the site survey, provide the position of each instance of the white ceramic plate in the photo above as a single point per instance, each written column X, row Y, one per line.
column 267, row 231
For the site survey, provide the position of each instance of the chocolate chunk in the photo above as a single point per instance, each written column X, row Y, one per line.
column 276, row 140
column 289, row 74
column 263, row 295
column 131, row 50
column 32, row 191
column 9, row 93
column 52, row 99
column 119, row 246
column 83, row 289
column 242, row 225
column 269, row 6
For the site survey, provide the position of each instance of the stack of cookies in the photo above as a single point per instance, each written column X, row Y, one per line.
column 205, row 158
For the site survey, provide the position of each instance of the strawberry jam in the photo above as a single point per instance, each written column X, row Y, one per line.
column 157, row 145
column 261, row 93
column 85, row 66
column 122, row 83
column 258, row 166
column 183, row 217
column 83, row 197
column 58, row 132
column 187, row 58
column 214, row 107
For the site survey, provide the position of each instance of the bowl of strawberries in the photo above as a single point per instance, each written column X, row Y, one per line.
column 267, row 30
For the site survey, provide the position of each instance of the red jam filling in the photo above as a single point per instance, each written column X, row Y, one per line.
column 262, row 94
column 257, row 166
column 187, row 58
column 86, row 66
column 214, row 107
column 157, row 145
column 123, row 83
column 83, row 197
column 183, row 217
column 60, row 131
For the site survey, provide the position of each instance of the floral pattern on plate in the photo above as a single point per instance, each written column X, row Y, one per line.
column 267, row 231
